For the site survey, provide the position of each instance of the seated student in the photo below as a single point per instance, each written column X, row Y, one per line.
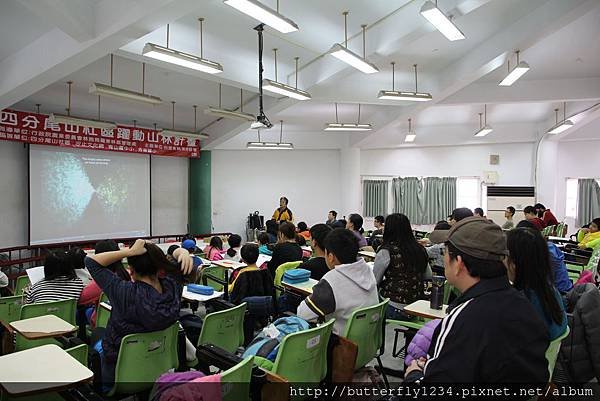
column 214, row 250
column 354, row 224
column 59, row 282
column 349, row 284
column 545, row 214
column 286, row 249
column 331, row 218
column 272, row 229
column 492, row 333
column 235, row 245
column 249, row 253
column 317, row 265
column 400, row 265
column 379, row 223
column 188, row 242
column 509, row 214
column 589, row 237
column 528, row 267
column 560, row 275
column 263, row 240
column 435, row 250
column 148, row 303
column 531, row 215
column 77, row 256
column 303, row 230
column 300, row 240
column 4, row 291
column 478, row 212
column 458, row 214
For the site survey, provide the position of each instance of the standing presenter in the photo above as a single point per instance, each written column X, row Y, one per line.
column 282, row 213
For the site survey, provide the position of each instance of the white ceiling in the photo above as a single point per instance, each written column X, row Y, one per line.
column 558, row 38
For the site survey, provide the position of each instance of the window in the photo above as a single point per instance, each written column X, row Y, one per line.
column 468, row 192
column 571, row 195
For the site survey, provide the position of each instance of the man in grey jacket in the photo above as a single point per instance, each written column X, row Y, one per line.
column 349, row 285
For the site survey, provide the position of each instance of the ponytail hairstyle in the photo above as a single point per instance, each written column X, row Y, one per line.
column 216, row 242
column 151, row 262
column 234, row 241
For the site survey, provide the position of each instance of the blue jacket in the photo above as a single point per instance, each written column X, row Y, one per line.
column 562, row 282
column 136, row 306
column 555, row 330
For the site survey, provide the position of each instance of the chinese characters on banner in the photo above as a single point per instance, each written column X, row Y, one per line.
column 37, row 129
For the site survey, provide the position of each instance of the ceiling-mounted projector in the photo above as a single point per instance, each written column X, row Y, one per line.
column 262, row 122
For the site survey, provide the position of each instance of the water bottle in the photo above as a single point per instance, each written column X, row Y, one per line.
column 437, row 292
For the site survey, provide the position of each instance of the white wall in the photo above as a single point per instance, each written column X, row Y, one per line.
column 14, row 184
column 169, row 195
column 244, row 181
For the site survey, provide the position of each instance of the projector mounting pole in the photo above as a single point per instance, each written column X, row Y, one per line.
column 260, row 29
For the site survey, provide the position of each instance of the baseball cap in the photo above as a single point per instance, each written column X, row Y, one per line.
column 188, row 244
column 478, row 237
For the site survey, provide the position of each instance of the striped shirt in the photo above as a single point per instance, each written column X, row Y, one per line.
column 54, row 290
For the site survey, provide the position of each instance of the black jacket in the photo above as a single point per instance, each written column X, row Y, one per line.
column 492, row 334
column 580, row 350
column 252, row 284
column 284, row 252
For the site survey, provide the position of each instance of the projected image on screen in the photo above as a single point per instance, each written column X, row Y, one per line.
column 77, row 195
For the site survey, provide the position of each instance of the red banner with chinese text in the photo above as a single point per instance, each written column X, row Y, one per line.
column 37, row 129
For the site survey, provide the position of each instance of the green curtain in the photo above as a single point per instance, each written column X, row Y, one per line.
column 439, row 198
column 375, row 197
column 588, row 200
column 407, row 194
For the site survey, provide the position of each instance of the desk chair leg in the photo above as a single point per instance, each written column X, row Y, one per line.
column 382, row 370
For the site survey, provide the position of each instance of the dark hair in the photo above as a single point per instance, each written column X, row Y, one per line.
column 357, row 221
column 343, row 244
column 529, row 252
column 109, row 245
column 234, row 241
column 77, row 256
column 302, row 226
column 285, row 199
column 272, row 226
column 263, row 238
column 478, row 211
column 398, row 233
column 511, row 210
column 596, row 221
column 525, row 224
column 340, row 223
column 288, row 230
column 539, row 206
column 58, row 264
column 461, row 213
column 442, row 225
column 249, row 253
column 529, row 210
column 149, row 263
column 216, row 242
column 188, row 236
column 319, row 232
column 300, row 240
column 379, row 219
column 333, row 212
column 477, row 267
column 172, row 248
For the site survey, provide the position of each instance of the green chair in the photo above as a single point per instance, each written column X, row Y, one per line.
column 302, row 356
column 281, row 269
column 215, row 271
column 102, row 313
column 21, row 284
column 365, row 328
column 235, row 382
column 79, row 352
column 143, row 357
column 449, row 289
column 64, row 309
column 553, row 350
column 10, row 308
column 225, row 328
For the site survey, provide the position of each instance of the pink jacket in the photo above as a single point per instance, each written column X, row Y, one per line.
column 213, row 253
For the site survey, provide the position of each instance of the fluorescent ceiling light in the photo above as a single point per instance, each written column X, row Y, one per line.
column 83, row 122
column 560, row 127
column 270, row 145
column 441, row 22
column 106, row 90
column 286, row 90
column 183, row 59
column 264, row 14
column 410, row 137
column 409, row 96
column 515, row 74
column 341, row 53
column 484, row 131
column 348, row 127
column 238, row 115
column 172, row 132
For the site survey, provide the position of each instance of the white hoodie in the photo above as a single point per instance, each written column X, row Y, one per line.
column 340, row 292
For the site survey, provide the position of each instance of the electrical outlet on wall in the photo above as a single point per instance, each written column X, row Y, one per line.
column 494, row 159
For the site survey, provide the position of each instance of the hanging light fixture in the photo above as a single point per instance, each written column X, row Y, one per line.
column 110, row 90
column 283, row 89
column 83, row 122
column 411, row 135
column 264, row 14
column 415, row 96
column 564, row 124
column 180, row 58
column 271, row 145
column 442, row 23
column 516, row 73
column 232, row 114
column 174, row 132
column 341, row 52
column 337, row 126
column 483, row 129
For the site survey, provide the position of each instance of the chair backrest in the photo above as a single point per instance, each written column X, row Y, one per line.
column 102, row 313
column 235, row 381
column 143, row 357
column 215, row 271
column 225, row 328
column 552, row 352
column 79, row 352
column 365, row 328
column 283, row 268
column 10, row 308
column 21, row 283
column 449, row 289
column 64, row 309
column 302, row 356
column 594, row 259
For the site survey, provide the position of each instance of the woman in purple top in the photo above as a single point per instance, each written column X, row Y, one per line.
column 354, row 224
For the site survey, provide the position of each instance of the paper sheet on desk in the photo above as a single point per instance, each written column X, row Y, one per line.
column 262, row 259
column 199, row 297
column 37, row 274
